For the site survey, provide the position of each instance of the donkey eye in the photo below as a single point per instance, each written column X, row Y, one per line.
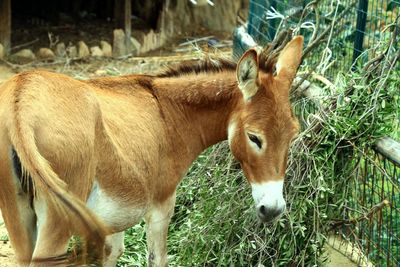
column 253, row 138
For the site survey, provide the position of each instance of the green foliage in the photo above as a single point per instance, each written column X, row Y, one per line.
column 135, row 247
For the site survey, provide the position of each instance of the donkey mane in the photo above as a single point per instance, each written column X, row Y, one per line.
column 208, row 64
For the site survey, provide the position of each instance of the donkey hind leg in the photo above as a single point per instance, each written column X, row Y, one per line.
column 157, row 220
column 20, row 221
column 17, row 211
column 53, row 232
column 114, row 249
column 53, row 236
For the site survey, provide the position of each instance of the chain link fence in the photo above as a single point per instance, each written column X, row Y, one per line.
column 352, row 30
column 369, row 231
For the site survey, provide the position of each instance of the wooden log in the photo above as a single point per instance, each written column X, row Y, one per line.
column 5, row 25
column 389, row 148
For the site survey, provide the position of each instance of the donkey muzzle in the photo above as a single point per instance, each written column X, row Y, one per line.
column 269, row 200
column 269, row 214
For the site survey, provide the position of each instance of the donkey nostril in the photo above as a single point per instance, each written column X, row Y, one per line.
column 267, row 214
column 263, row 210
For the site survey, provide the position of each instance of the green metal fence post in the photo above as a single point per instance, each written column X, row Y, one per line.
column 360, row 29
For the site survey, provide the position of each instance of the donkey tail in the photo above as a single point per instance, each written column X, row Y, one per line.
column 48, row 185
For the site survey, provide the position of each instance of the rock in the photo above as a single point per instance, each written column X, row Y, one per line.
column 23, row 56
column 83, row 50
column 135, row 46
column 60, row 50
column 119, row 47
column 100, row 72
column 45, row 54
column 72, row 51
column 95, row 51
column 106, row 48
column 150, row 40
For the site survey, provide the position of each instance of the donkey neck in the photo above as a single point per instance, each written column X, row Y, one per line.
column 197, row 108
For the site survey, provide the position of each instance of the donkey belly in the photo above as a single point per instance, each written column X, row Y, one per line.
column 116, row 213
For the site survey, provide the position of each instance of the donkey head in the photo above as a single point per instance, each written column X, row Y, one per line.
column 261, row 130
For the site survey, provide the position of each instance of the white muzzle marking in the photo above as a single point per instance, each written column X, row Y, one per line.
column 269, row 195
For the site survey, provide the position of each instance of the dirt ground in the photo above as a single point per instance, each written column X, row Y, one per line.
column 6, row 253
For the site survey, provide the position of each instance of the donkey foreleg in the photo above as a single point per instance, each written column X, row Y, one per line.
column 157, row 220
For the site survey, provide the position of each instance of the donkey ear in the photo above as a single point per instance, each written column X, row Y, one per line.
column 247, row 73
column 290, row 58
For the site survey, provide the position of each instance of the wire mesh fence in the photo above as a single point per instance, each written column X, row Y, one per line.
column 352, row 29
column 370, row 231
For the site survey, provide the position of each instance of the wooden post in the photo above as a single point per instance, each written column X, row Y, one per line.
column 128, row 25
column 118, row 10
column 390, row 148
column 122, row 16
column 5, row 24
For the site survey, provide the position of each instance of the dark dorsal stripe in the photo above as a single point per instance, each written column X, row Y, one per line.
column 199, row 66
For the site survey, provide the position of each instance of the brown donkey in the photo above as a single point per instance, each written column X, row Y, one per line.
column 92, row 158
